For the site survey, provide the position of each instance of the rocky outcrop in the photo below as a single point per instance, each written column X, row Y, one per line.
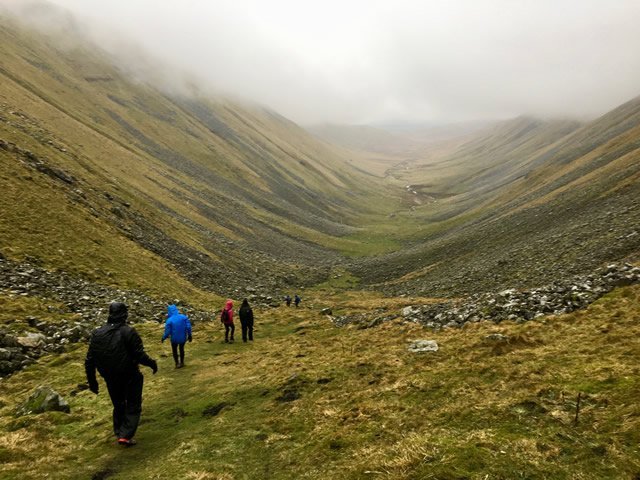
column 554, row 299
column 517, row 305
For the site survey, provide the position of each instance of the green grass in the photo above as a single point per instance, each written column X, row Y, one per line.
column 14, row 310
column 339, row 279
column 366, row 409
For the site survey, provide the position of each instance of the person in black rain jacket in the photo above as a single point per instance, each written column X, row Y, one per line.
column 246, row 320
column 116, row 350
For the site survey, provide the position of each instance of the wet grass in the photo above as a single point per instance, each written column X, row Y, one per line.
column 307, row 400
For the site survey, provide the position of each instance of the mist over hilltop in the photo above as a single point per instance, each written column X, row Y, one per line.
column 379, row 62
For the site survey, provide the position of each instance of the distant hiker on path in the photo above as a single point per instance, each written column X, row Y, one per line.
column 246, row 320
column 226, row 317
column 178, row 328
column 287, row 300
column 116, row 350
column 297, row 300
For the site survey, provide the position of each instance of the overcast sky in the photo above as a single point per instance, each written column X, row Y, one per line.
column 367, row 61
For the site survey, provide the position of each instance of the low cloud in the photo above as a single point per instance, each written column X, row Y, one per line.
column 380, row 61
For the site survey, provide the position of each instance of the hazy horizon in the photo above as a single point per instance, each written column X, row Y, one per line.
column 382, row 62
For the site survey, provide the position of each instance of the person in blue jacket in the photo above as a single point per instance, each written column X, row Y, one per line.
column 178, row 328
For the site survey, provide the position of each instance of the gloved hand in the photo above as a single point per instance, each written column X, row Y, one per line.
column 94, row 387
column 154, row 367
column 190, row 339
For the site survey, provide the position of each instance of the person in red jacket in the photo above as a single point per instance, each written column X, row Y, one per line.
column 226, row 317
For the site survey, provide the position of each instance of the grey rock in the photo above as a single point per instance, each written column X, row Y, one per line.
column 32, row 340
column 410, row 311
column 43, row 399
column 422, row 346
column 496, row 337
column 9, row 341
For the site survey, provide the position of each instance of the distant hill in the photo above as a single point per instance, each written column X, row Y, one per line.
column 521, row 204
column 379, row 149
column 365, row 138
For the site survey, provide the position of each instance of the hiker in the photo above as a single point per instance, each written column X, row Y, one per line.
column 246, row 320
column 116, row 350
column 178, row 328
column 297, row 300
column 226, row 317
column 287, row 300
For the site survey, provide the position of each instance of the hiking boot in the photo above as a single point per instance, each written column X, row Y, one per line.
column 127, row 442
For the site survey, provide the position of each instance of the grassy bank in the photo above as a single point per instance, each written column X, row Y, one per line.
column 307, row 400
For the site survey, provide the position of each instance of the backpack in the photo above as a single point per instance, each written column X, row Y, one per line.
column 224, row 316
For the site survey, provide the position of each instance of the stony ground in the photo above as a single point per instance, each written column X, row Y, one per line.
column 45, row 311
column 557, row 298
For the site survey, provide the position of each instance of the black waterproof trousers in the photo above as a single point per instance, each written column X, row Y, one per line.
column 126, row 396
column 174, row 349
column 247, row 330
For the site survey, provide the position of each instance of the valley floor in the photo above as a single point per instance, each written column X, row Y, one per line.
column 308, row 400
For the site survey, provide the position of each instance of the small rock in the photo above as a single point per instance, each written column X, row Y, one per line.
column 44, row 399
column 497, row 337
column 420, row 346
column 409, row 311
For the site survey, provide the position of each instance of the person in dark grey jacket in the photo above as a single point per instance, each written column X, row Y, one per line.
column 246, row 320
column 116, row 350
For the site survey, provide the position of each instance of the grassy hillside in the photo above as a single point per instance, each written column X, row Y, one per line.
column 520, row 206
column 308, row 400
column 224, row 193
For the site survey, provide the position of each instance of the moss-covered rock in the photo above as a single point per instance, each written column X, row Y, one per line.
column 44, row 399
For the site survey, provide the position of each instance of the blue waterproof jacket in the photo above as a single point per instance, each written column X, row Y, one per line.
column 177, row 326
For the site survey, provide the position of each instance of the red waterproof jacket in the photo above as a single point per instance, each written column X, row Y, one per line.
column 227, row 318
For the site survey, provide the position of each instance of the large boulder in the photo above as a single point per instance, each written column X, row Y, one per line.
column 44, row 399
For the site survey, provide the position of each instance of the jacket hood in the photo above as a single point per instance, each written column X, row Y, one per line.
column 118, row 313
column 172, row 310
column 229, row 305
